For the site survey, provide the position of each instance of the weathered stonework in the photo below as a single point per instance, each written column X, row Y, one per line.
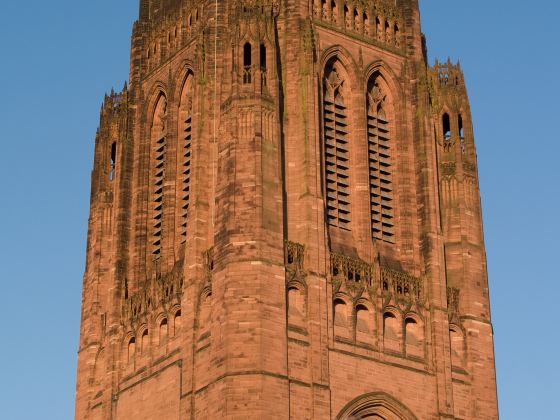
column 285, row 222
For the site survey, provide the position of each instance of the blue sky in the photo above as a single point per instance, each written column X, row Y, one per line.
column 59, row 57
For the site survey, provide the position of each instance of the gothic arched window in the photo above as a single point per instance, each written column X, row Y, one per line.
column 457, row 346
column 158, row 142
column 247, row 63
column 364, row 324
column 380, row 150
column 391, row 332
column 113, row 161
column 296, row 306
column 446, row 126
column 145, row 342
column 341, row 326
column 414, row 339
column 263, row 64
column 184, row 155
column 131, row 349
column 335, row 133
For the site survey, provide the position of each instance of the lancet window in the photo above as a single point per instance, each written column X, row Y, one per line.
column 380, row 148
column 158, row 142
column 113, row 161
column 185, row 156
column 247, row 63
column 335, row 134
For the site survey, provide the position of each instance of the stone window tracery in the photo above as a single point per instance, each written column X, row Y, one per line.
column 185, row 155
column 159, row 146
column 336, row 146
column 380, row 162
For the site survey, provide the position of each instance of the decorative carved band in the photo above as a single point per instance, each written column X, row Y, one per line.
column 352, row 270
column 294, row 255
column 160, row 292
column 402, row 285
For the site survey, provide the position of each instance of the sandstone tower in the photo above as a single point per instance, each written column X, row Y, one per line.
column 285, row 222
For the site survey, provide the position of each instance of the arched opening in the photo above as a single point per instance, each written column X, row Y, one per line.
column 347, row 17
column 324, row 9
column 341, row 319
column 391, row 332
column 334, row 11
column 296, row 307
column 414, row 338
column 380, row 155
column 375, row 405
column 163, row 332
column 145, row 342
column 379, row 28
column 204, row 321
column 184, row 156
column 364, row 324
column 177, row 323
column 113, row 161
column 365, row 27
column 397, row 35
column 262, row 60
column 446, row 125
column 336, row 145
column 247, row 62
column 131, row 349
column 387, row 32
column 461, row 132
column 457, row 346
column 159, row 148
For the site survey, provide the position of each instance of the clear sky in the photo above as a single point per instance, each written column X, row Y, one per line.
column 59, row 57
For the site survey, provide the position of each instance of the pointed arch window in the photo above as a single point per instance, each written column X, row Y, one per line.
column 185, row 155
column 262, row 59
column 247, row 63
column 113, row 161
column 158, row 141
column 380, row 150
column 446, row 126
column 336, row 150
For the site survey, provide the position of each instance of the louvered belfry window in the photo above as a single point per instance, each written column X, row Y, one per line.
column 335, row 133
column 158, row 137
column 380, row 148
column 184, row 156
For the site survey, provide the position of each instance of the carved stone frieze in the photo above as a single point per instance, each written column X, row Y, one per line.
column 294, row 256
column 162, row 292
column 448, row 168
column 377, row 21
column 453, row 295
column 353, row 275
column 401, row 288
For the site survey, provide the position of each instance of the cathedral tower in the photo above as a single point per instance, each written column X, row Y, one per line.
column 285, row 222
